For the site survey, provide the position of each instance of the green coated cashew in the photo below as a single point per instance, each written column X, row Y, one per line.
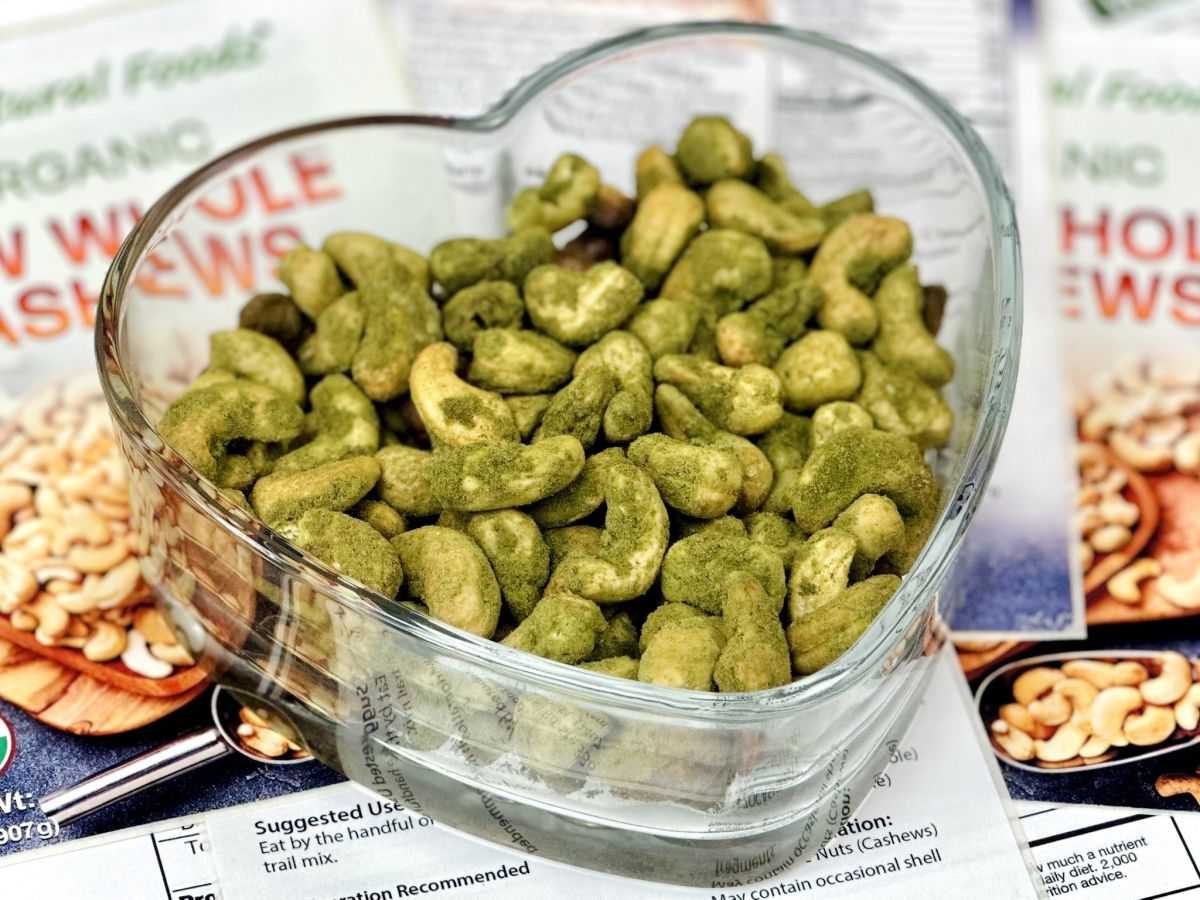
column 488, row 304
column 483, row 477
column 830, row 418
column 848, row 266
column 773, row 530
column 562, row 627
column 654, row 167
column 816, row 369
column 820, row 637
column 877, row 528
column 681, row 420
column 398, row 320
column 311, row 278
column 760, row 333
column 755, row 656
column 616, row 666
column 820, row 571
column 258, row 358
column 630, row 412
column 200, row 424
column 284, row 497
column 710, row 149
column 666, row 219
column 509, row 361
column 380, row 516
column 277, row 316
column 581, row 497
column 361, row 256
column 697, row 570
column 346, row 425
column 722, row 525
column 448, row 572
column 456, row 413
column 743, row 207
column 663, row 615
column 566, row 195
column 743, row 401
column 235, row 471
column 578, row 409
column 861, row 461
column 578, row 308
column 683, row 654
column 772, row 179
column 405, row 480
column 555, row 739
column 462, row 262
column 518, row 555
column 339, row 328
column 528, row 411
column 722, row 269
column 837, row 211
column 699, row 481
column 903, row 341
column 571, row 540
column 619, row 638
column 903, row 404
column 351, row 547
column 665, row 325
column 634, row 540
column 375, row 333
column 787, row 446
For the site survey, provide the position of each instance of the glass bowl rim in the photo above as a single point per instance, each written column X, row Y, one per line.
column 869, row 650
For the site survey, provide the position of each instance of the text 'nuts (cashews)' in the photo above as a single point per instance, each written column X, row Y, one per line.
column 677, row 438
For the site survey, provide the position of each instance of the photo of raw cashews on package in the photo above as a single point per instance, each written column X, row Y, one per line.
column 686, row 448
column 1138, row 504
column 1114, row 720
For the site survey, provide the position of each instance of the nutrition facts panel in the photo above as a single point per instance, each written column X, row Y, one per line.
column 1114, row 854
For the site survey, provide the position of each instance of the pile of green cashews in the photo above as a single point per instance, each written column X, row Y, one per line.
column 678, row 438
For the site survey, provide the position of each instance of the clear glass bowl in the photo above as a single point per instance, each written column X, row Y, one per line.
column 624, row 777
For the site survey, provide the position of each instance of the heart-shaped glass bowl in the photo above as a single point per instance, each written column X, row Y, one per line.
column 616, row 775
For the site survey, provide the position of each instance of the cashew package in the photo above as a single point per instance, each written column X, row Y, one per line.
column 685, row 448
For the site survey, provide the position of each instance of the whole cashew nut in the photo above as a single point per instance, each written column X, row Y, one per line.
column 635, row 538
column 857, row 253
column 1066, row 743
column 1013, row 741
column 1110, row 709
column 1173, row 680
column 1140, row 456
column 578, row 308
column 1129, row 672
column 483, row 477
column 1033, row 683
column 1186, row 453
column 1152, row 726
column 667, row 217
column 454, row 412
column 1187, row 709
column 448, row 572
column 1125, row 585
column 1094, row 672
column 739, row 206
column 743, row 401
column 1184, row 594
